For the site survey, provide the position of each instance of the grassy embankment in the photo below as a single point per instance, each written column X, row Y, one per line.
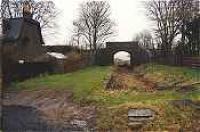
column 87, row 86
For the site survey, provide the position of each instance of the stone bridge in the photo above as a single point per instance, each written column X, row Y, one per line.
column 58, row 48
column 138, row 54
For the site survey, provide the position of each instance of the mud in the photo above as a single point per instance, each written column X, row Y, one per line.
column 45, row 110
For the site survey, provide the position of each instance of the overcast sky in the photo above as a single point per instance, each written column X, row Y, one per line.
column 129, row 15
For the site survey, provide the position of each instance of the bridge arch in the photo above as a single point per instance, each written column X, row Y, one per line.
column 138, row 54
column 115, row 55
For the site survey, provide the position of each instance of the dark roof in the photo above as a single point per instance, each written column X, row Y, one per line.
column 12, row 28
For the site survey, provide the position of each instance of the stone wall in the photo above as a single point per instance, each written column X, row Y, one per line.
column 23, row 40
column 29, row 47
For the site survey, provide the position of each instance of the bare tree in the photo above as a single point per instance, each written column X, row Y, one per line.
column 94, row 24
column 171, row 18
column 76, row 36
column 166, row 17
column 187, row 10
column 43, row 11
column 145, row 39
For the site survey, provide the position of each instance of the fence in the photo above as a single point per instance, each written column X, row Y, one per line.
column 173, row 58
column 191, row 61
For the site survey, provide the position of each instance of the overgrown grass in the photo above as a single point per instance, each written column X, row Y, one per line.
column 174, row 72
column 82, row 83
column 87, row 86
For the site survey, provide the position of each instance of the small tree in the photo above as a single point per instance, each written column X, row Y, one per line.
column 145, row 39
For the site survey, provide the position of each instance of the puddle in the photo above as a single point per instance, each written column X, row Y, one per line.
column 23, row 118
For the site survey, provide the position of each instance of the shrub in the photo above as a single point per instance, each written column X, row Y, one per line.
column 74, row 61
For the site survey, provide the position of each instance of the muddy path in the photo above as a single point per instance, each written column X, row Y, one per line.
column 45, row 110
column 123, row 78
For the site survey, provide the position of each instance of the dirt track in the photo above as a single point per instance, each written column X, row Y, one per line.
column 45, row 110
column 123, row 78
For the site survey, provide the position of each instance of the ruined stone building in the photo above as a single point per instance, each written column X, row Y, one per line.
column 23, row 48
column 22, row 39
